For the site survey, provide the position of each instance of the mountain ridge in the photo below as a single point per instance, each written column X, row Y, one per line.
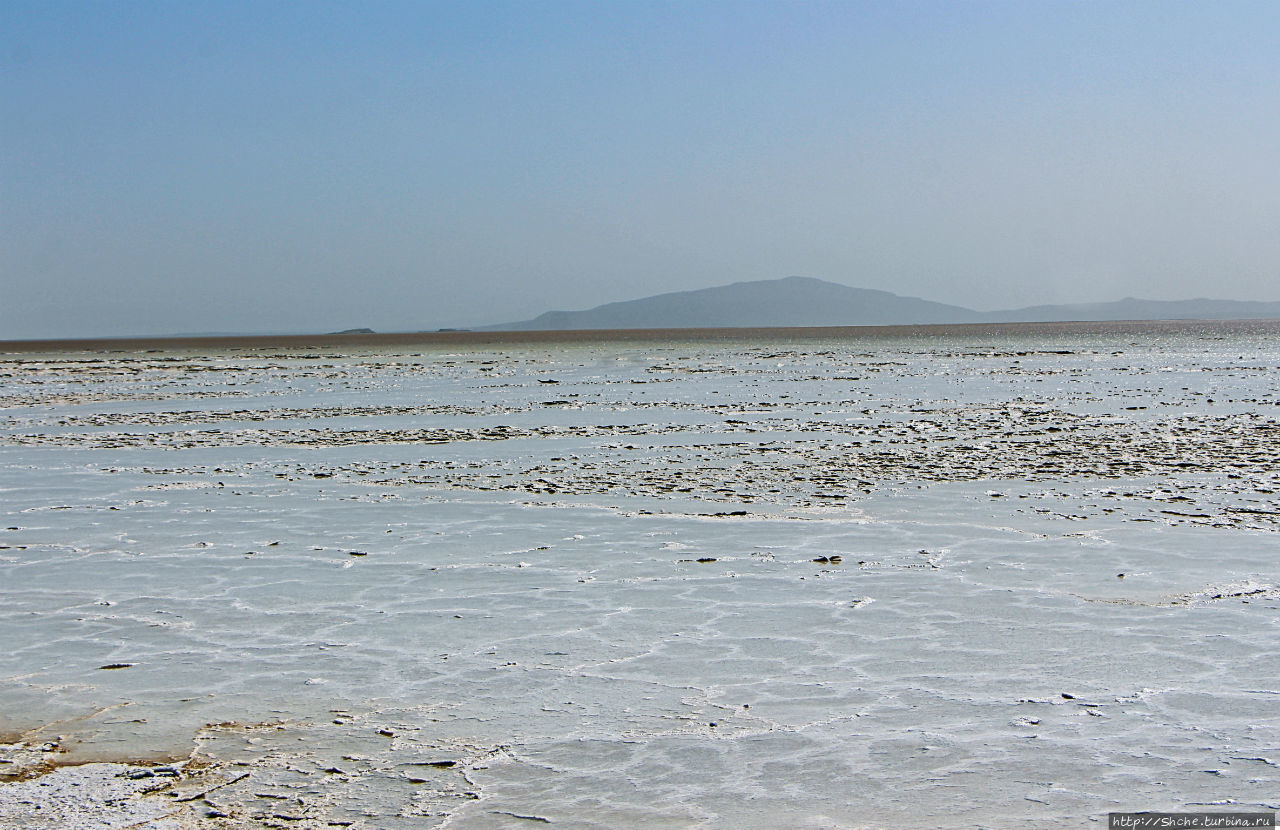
column 807, row 301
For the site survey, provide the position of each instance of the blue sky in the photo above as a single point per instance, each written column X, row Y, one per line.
column 178, row 167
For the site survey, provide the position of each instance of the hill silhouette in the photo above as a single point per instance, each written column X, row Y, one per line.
column 805, row 301
column 791, row 301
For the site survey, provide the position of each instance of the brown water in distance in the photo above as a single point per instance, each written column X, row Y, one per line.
column 464, row 339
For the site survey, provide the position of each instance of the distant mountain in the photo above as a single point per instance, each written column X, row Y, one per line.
column 792, row 301
column 1134, row 309
column 804, row 301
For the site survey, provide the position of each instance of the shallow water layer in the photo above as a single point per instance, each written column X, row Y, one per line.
column 856, row 582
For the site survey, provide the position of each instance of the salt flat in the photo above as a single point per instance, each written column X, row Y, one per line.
column 972, row 579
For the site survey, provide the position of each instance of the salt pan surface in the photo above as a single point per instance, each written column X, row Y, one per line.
column 837, row 583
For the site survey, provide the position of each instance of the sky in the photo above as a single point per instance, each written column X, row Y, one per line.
column 248, row 167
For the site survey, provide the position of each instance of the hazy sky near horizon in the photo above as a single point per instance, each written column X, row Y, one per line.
column 313, row 166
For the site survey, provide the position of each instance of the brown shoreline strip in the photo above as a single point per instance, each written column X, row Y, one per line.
column 466, row 339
